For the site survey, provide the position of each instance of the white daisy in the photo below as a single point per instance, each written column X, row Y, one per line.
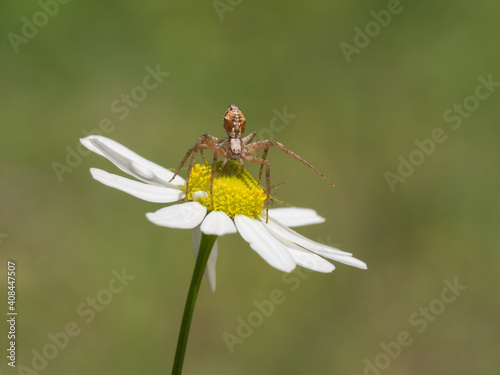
column 237, row 207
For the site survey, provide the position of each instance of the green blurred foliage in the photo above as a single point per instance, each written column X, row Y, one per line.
column 353, row 120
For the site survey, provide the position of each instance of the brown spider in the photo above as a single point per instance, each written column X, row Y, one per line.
column 235, row 148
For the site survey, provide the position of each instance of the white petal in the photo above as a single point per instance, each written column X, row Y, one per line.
column 268, row 247
column 131, row 163
column 289, row 234
column 183, row 216
column 150, row 193
column 306, row 258
column 210, row 270
column 310, row 260
column 295, row 216
column 212, row 259
column 218, row 223
column 349, row 260
column 200, row 194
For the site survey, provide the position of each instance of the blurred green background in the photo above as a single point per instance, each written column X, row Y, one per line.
column 353, row 120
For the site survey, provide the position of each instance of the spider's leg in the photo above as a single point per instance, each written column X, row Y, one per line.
column 268, row 179
column 212, row 174
column 206, row 141
column 182, row 162
column 248, row 138
column 264, row 156
column 203, row 156
column 261, row 145
column 224, row 162
column 191, row 163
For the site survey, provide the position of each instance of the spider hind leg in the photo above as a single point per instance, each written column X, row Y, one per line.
column 263, row 161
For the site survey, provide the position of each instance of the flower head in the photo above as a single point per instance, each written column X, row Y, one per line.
column 237, row 206
column 235, row 192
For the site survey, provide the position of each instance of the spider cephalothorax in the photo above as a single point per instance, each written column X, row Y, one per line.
column 234, row 147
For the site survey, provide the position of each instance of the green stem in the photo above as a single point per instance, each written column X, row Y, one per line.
column 206, row 244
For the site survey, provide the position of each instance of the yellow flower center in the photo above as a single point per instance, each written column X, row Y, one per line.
column 235, row 192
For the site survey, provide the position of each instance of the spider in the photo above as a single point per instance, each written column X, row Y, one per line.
column 234, row 147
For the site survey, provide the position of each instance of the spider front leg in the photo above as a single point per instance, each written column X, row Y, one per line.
column 268, row 179
column 244, row 141
column 203, row 157
column 248, row 138
column 217, row 150
column 205, row 142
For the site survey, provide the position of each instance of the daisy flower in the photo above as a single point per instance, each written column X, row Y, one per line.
column 237, row 207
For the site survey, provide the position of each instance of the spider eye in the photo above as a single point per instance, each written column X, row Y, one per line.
column 234, row 122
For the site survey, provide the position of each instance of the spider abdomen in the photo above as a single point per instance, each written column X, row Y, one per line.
column 234, row 122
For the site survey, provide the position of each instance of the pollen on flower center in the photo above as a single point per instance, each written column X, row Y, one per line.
column 235, row 192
